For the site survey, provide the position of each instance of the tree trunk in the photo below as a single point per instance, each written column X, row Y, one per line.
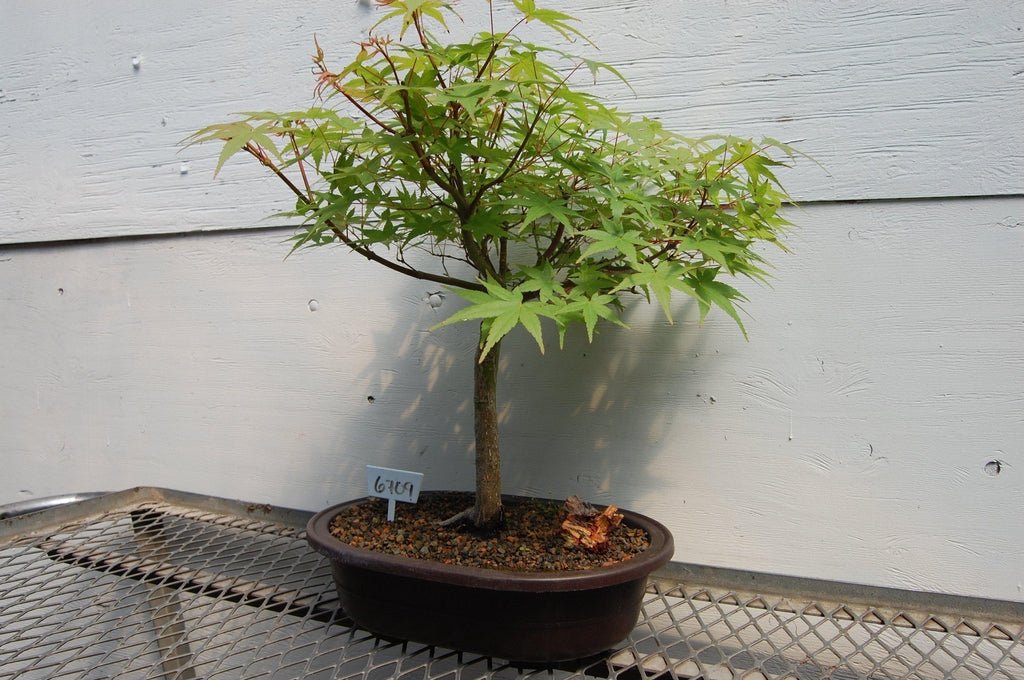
column 487, row 509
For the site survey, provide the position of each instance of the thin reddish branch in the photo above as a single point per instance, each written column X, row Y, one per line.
column 526, row 140
column 494, row 48
column 418, row 22
column 265, row 160
column 327, row 78
column 302, row 167
column 556, row 240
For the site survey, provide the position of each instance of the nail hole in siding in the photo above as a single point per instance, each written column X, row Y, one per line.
column 370, row 399
column 136, row 63
column 993, row 468
column 435, row 299
column 313, row 305
column 184, row 168
column 60, row 291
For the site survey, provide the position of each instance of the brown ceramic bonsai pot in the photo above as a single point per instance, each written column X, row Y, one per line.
column 533, row 617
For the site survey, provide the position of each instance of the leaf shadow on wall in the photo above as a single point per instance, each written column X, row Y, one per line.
column 591, row 419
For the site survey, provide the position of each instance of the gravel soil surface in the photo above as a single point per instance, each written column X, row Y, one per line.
column 531, row 539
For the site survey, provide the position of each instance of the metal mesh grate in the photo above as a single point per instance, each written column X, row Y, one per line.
column 694, row 631
column 159, row 589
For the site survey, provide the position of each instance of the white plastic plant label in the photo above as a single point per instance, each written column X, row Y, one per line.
column 394, row 485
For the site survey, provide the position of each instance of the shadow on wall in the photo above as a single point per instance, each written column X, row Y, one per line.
column 588, row 419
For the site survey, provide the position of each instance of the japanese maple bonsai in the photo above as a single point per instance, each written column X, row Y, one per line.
column 485, row 156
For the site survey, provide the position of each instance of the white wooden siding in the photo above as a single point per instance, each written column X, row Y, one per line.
column 893, row 99
column 848, row 439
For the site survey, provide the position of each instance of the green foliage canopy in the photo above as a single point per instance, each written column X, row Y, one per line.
column 485, row 153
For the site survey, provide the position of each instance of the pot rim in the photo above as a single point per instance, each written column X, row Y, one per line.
column 657, row 555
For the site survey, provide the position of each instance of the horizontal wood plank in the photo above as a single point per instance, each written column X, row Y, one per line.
column 869, row 431
column 903, row 100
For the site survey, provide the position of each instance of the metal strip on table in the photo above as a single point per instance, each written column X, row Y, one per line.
column 154, row 583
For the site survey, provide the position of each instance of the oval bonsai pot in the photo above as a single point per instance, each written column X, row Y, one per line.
column 533, row 617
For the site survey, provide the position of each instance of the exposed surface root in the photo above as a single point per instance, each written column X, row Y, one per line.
column 469, row 519
column 460, row 518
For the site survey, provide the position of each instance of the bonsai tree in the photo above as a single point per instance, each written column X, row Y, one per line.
column 540, row 205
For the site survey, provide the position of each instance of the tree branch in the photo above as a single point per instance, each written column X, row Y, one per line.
column 361, row 250
column 526, row 140
column 302, row 168
column 478, row 257
column 417, row 21
column 495, row 46
column 424, row 160
column 328, row 78
column 556, row 239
